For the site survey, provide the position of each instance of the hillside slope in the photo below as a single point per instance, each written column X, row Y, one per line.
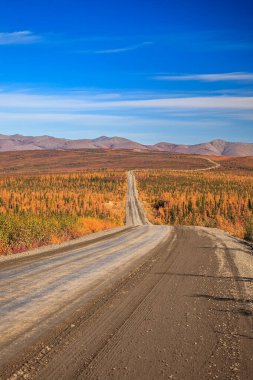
column 213, row 148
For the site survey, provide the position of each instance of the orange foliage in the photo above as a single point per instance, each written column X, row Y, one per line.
column 211, row 199
column 36, row 210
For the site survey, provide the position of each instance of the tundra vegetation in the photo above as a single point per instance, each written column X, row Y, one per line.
column 45, row 209
column 211, row 199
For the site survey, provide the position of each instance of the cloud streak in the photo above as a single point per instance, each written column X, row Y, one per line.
column 224, row 77
column 116, row 50
column 94, row 120
column 72, row 102
column 19, row 38
column 98, row 113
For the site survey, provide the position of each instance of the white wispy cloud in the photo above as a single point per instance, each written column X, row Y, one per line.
column 115, row 113
column 94, row 120
column 71, row 102
column 17, row 38
column 231, row 77
column 116, row 50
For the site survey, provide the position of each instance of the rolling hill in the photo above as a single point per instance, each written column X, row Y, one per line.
column 213, row 148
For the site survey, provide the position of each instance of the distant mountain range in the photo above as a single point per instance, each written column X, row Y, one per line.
column 212, row 148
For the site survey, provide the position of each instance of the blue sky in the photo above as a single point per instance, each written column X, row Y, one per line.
column 178, row 71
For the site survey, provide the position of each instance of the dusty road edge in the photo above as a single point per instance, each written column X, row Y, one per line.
column 37, row 357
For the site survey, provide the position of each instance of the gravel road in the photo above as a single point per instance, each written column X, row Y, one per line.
column 141, row 302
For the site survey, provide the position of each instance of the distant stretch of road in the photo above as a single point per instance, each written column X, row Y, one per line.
column 137, row 302
column 135, row 215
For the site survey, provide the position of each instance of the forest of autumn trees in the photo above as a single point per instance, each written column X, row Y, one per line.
column 211, row 199
column 38, row 210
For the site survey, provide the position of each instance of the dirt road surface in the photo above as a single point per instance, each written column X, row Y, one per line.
column 141, row 302
column 134, row 211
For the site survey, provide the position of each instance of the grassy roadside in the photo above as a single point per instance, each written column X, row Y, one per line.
column 47, row 209
column 210, row 199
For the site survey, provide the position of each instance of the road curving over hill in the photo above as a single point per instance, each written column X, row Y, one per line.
column 135, row 215
column 140, row 302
